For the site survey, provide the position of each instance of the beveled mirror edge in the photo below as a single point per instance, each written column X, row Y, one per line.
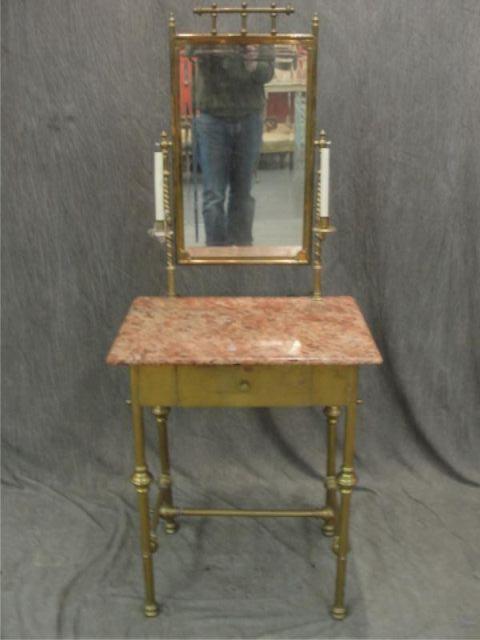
column 272, row 255
column 184, row 255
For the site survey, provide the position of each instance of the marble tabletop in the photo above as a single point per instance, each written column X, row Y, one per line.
column 244, row 331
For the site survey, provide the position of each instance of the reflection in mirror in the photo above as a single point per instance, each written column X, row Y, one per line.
column 242, row 111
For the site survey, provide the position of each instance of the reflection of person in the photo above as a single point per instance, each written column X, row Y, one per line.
column 230, row 99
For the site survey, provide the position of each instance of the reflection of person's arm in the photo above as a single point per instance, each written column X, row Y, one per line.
column 201, row 53
column 263, row 73
column 265, row 67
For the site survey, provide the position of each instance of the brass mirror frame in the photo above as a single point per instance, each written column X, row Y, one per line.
column 310, row 42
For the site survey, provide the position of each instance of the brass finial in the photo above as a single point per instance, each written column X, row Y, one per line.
column 164, row 142
column 315, row 22
column 322, row 141
column 171, row 23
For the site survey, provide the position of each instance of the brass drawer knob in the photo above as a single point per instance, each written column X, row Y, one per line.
column 244, row 386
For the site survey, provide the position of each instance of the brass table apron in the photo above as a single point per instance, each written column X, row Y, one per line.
column 244, row 386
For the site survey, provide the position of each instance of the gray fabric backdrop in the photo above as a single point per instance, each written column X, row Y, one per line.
column 85, row 94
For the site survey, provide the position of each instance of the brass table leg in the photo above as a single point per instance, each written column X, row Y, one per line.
column 332, row 414
column 141, row 479
column 346, row 480
column 165, row 497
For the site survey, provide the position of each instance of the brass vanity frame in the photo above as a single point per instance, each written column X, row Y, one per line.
column 165, row 386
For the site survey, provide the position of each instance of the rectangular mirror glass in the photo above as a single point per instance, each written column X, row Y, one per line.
column 243, row 120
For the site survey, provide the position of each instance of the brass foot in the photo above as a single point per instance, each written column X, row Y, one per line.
column 171, row 527
column 328, row 529
column 338, row 613
column 151, row 610
column 153, row 543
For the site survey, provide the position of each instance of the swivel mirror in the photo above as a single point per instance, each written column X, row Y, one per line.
column 243, row 126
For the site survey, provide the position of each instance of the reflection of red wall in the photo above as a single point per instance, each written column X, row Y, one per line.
column 277, row 106
column 185, row 86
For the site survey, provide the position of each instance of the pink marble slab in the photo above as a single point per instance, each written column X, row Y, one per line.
column 243, row 330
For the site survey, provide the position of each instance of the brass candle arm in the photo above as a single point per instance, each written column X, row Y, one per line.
column 322, row 226
column 162, row 230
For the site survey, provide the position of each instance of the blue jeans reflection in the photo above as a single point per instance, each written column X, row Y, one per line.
column 228, row 153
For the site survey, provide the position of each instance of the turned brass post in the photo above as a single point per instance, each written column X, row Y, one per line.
column 166, row 146
column 165, row 492
column 214, row 19
column 141, row 479
column 243, row 17
column 346, row 480
column 273, row 17
column 332, row 414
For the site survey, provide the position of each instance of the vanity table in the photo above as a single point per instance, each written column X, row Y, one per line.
column 243, row 351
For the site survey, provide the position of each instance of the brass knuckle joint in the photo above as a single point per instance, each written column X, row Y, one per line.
column 165, row 481
column 328, row 514
column 346, row 479
column 330, row 483
column 332, row 412
column 167, row 512
column 160, row 413
column 141, row 478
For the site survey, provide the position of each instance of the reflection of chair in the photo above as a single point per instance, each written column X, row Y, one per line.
column 190, row 163
column 280, row 140
column 186, row 137
column 285, row 63
column 288, row 81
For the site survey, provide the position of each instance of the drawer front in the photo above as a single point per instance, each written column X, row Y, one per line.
column 246, row 386
column 265, row 386
column 240, row 386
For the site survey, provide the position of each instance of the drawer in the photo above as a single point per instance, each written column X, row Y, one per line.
column 243, row 386
column 265, row 386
